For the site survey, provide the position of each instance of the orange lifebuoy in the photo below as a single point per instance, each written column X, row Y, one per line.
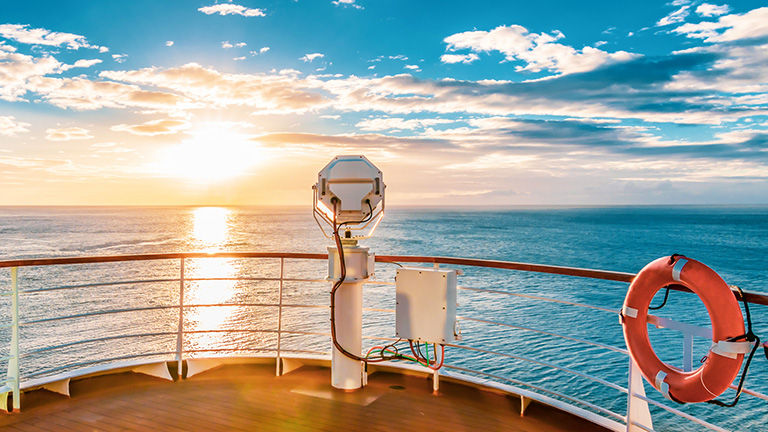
column 722, row 364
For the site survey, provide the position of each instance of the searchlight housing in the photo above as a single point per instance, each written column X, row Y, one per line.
column 349, row 194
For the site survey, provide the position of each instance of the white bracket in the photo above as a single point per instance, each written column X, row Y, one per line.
column 196, row 366
column 4, row 401
column 60, row 387
column 159, row 370
column 524, row 402
column 291, row 364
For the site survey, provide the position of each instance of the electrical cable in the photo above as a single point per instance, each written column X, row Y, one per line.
column 342, row 278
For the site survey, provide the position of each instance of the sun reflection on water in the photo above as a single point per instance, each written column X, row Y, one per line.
column 211, row 226
column 210, row 231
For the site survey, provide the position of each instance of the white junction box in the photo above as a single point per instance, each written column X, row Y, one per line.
column 426, row 304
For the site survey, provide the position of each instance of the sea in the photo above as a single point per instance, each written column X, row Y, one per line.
column 525, row 331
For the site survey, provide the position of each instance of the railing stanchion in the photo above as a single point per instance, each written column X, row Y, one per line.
column 13, row 362
column 279, row 316
column 687, row 352
column 180, row 333
column 637, row 408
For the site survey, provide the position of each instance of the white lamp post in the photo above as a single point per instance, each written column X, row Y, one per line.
column 349, row 198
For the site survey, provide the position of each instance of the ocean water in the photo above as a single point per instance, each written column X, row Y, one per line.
column 731, row 240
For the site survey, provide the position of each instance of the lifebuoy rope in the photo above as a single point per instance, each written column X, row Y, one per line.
column 749, row 336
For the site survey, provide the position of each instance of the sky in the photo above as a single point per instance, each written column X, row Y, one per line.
column 458, row 103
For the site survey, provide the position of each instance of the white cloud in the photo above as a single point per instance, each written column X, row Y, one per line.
column 379, row 124
column 228, row 44
column 310, row 57
column 752, row 24
column 412, row 67
column 675, row 16
column 261, row 50
column 709, row 10
column 153, row 127
column 231, row 9
column 241, row 58
column 86, row 63
column 67, row 134
column 120, row 58
column 459, row 58
column 537, row 50
column 16, row 70
column 168, row 43
column 281, row 92
column 350, row 3
column 9, row 126
column 83, row 94
column 39, row 36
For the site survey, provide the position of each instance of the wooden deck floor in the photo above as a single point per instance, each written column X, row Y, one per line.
column 250, row 397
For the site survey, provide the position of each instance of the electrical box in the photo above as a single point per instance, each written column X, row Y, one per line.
column 426, row 304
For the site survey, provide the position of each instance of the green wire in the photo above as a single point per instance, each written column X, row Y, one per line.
column 426, row 348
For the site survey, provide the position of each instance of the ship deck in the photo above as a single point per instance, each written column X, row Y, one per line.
column 251, row 397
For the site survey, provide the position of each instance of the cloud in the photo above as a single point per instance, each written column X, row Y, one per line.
column 412, row 67
column 399, row 123
column 262, row 50
column 537, row 50
column 84, row 94
column 282, row 92
column 9, row 126
column 710, row 10
column 120, row 58
column 310, row 57
column 38, row 36
column 750, row 25
column 86, row 63
column 459, row 58
column 67, row 134
column 16, row 71
column 231, row 9
column 674, row 17
column 349, row 3
column 153, row 127
column 227, row 45
column 241, row 58
column 352, row 141
column 169, row 43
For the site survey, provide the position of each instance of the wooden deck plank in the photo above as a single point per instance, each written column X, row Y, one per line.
column 250, row 397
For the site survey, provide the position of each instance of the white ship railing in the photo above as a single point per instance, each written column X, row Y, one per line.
column 15, row 383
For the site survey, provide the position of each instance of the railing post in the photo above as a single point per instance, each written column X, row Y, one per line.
column 279, row 317
column 637, row 409
column 687, row 352
column 180, row 333
column 13, row 362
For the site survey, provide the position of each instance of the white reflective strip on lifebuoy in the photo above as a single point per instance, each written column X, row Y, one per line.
column 678, row 268
column 662, row 386
column 628, row 311
column 731, row 349
column 665, row 390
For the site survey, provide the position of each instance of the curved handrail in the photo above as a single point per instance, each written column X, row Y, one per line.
column 749, row 296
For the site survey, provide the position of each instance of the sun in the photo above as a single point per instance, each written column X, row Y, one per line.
column 214, row 152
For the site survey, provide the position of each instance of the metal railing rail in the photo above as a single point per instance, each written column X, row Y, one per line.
column 14, row 379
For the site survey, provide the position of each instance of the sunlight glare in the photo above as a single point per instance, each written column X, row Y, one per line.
column 213, row 153
column 211, row 226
